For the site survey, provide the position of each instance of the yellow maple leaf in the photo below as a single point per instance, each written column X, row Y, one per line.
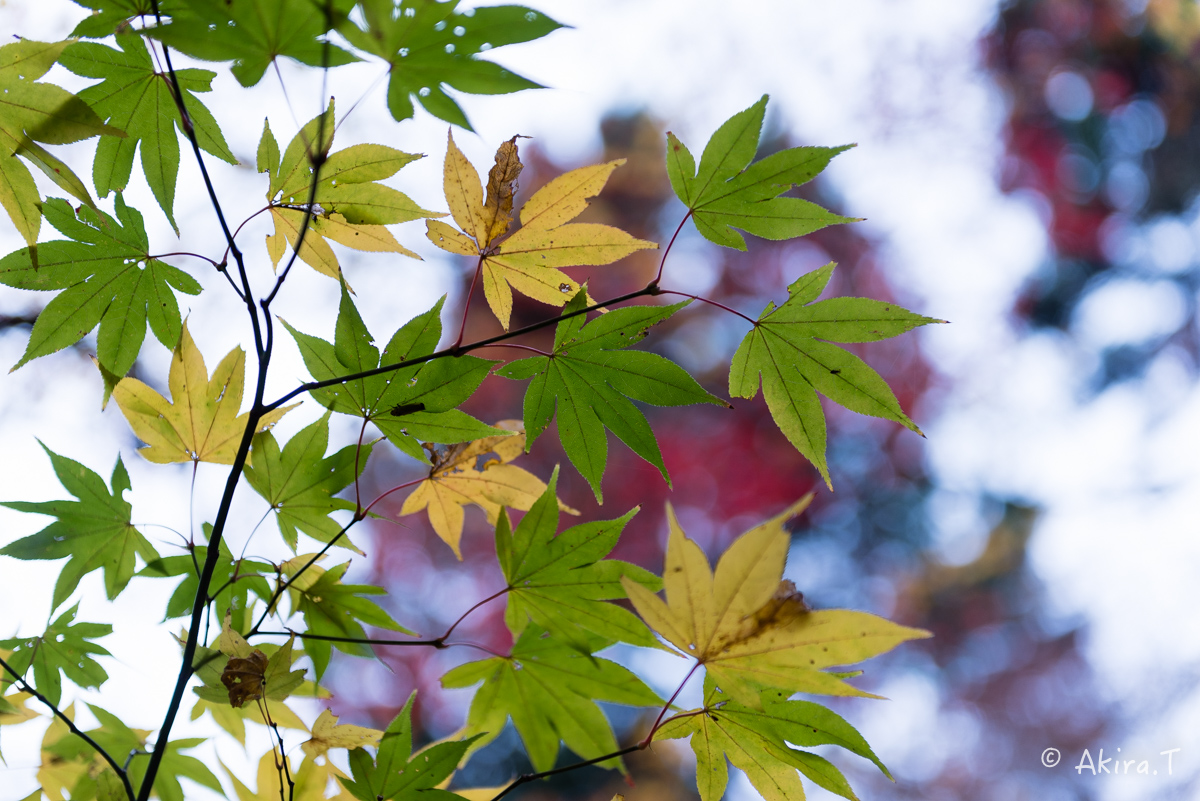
column 749, row 627
column 201, row 423
column 455, row 481
column 23, row 713
column 309, row 781
column 315, row 251
column 529, row 259
column 57, row 774
column 328, row 733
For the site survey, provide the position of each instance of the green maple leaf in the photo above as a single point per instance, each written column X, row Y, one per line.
column 108, row 280
column 549, row 689
column 93, row 532
column 234, row 579
column 727, row 192
column 589, row 379
column 333, row 609
column 134, row 97
column 252, row 34
column 300, row 481
column 399, row 775
column 561, row 583
column 109, row 16
column 790, row 348
column 116, row 738
column 429, row 45
column 756, row 741
column 65, row 649
column 414, row 402
column 32, row 112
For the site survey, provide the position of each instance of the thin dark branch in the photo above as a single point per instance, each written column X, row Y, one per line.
column 58, row 713
column 531, row 777
column 279, row 591
column 315, row 158
column 359, row 640
column 200, row 606
column 452, row 351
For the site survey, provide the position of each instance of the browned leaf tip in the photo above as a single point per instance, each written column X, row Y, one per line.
column 785, row 605
column 501, row 186
column 243, row 677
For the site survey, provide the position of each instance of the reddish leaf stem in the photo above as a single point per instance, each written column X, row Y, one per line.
column 463, row 616
column 462, row 328
column 662, row 263
column 750, row 320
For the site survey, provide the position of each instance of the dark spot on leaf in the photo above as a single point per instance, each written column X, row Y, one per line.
column 407, row 408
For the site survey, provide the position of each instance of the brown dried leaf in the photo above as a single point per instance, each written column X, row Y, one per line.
column 501, row 186
column 243, row 677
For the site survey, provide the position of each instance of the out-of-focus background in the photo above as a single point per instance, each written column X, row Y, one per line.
column 1029, row 171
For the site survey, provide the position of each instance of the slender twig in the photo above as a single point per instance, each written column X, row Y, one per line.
column 132, row 753
column 161, row 256
column 445, row 352
column 316, row 158
column 538, row 351
column 358, row 640
column 312, row 561
column 667, row 705
column 710, row 303
column 200, row 605
column 406, row 484
column 662, row 263
column 58, row 713
column 375, row 83
column 463, row 616
column 531, row 777
column 242, row 225
column 287, row 99
column 190, row 131
column 462, row 328
column 358, row 453
column 643, row 744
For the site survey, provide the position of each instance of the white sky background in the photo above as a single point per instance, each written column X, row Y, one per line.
column 1117, row 476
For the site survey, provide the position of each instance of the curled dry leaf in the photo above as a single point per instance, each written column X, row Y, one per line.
column 455, row 480
column 529, row 259
column 243, row 677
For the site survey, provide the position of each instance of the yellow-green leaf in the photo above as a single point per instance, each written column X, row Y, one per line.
column 201, row 423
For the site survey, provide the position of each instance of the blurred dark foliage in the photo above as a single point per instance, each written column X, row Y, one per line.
column 993, row 658
column 1104, row 135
